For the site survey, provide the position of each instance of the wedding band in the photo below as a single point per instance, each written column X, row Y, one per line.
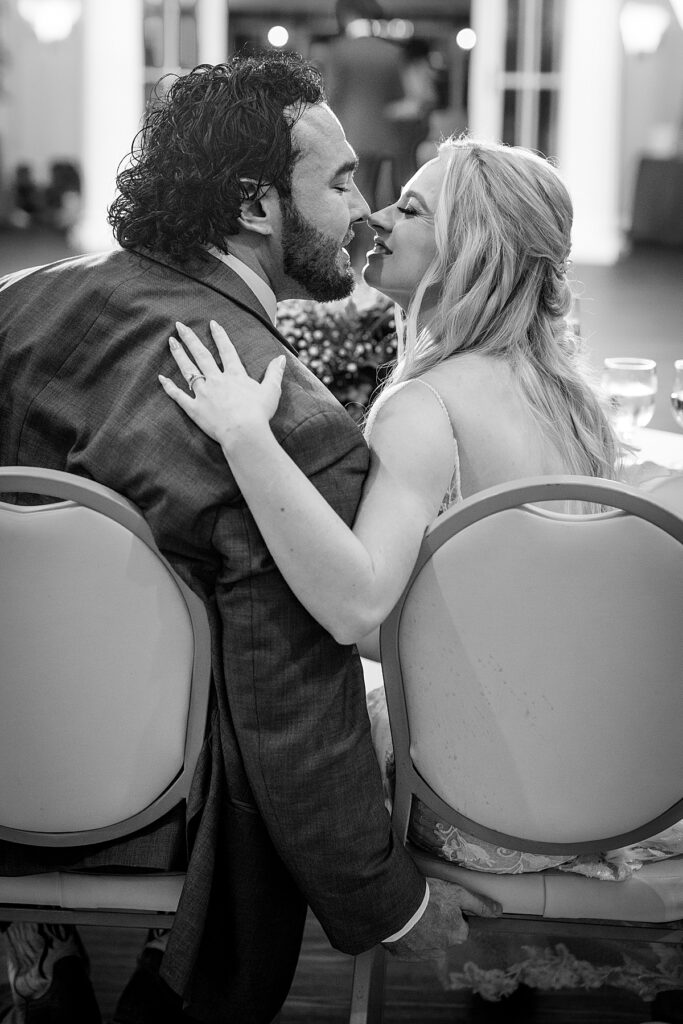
column 191, row 381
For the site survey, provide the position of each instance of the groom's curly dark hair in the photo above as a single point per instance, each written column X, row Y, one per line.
column 214, row 127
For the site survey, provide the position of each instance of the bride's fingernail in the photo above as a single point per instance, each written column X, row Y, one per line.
column 173, row 343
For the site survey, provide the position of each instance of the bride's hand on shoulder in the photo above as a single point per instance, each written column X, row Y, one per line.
column 227, row 404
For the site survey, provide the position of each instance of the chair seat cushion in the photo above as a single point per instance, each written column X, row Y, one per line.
column 70, row 890
column 652, row 894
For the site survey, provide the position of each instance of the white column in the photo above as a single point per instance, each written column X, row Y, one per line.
column 113, row 104
column 212, row 31
column 589, row 126
column 485, row 115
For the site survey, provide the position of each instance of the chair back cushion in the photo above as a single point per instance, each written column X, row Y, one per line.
column 96, row 662
column 540, row 657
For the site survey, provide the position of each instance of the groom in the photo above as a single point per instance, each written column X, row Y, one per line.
column 240, row 194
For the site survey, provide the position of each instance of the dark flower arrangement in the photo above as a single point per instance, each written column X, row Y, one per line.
column 350, row 349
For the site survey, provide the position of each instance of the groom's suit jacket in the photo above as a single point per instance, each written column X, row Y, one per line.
column 287, row 806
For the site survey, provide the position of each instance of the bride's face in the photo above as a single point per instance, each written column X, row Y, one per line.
column 404, row 235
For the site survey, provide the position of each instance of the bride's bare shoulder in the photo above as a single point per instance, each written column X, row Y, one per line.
column 465, row 375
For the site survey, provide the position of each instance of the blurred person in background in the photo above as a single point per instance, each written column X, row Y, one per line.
column 63, row 195
column 411, row 113
column 240, row 192
column 27, row 199
column 363, row 80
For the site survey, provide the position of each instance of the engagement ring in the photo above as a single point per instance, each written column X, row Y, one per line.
column 191, row 381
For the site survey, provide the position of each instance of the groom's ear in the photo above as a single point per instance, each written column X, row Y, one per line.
column 257, row 207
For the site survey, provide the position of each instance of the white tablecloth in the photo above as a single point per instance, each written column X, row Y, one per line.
column 661, row 446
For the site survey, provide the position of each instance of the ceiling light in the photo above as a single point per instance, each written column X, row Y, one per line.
column 51, row 20
column 642, row 26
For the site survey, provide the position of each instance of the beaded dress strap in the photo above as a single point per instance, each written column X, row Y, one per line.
column 454, row 492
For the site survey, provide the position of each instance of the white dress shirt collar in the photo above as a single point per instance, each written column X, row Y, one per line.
column 263, row 292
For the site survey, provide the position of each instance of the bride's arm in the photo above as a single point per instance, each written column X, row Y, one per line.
column 348, row 580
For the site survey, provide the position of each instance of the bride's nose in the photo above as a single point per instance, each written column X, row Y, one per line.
column 380, row 220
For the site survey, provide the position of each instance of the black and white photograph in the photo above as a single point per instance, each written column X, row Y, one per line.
column 341, row 511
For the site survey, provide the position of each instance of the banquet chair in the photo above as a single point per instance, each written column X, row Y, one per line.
column 104, row 669
column 532, row 669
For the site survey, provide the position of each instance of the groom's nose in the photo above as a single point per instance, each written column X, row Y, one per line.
column 359, row 209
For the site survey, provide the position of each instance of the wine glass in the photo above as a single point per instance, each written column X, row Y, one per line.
column 631, row 385
column 677, row 393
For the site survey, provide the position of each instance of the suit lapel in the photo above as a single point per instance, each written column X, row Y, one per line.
column 213, row 274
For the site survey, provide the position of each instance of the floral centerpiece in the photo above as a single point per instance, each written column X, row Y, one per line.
column 349, row 345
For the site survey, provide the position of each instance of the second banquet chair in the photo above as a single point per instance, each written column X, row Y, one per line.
column 104, row 688
column 533, row 679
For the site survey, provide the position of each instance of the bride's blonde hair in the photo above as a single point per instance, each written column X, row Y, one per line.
column 502, row 227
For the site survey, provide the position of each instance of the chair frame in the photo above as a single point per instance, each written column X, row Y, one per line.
column 73, row 490
column 125, row 918
column 369, row 967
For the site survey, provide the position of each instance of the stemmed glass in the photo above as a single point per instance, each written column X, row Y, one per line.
column 677, row 393
column 631, row 385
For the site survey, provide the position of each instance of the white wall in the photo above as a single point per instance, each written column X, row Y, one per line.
column 40, row 113
column 212, row 31
column 112, row 74
column 589, row 137
column 485, row 114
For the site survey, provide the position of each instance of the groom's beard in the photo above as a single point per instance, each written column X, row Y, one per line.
column 312, row 259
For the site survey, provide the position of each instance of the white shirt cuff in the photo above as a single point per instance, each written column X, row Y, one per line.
column 413, row 920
